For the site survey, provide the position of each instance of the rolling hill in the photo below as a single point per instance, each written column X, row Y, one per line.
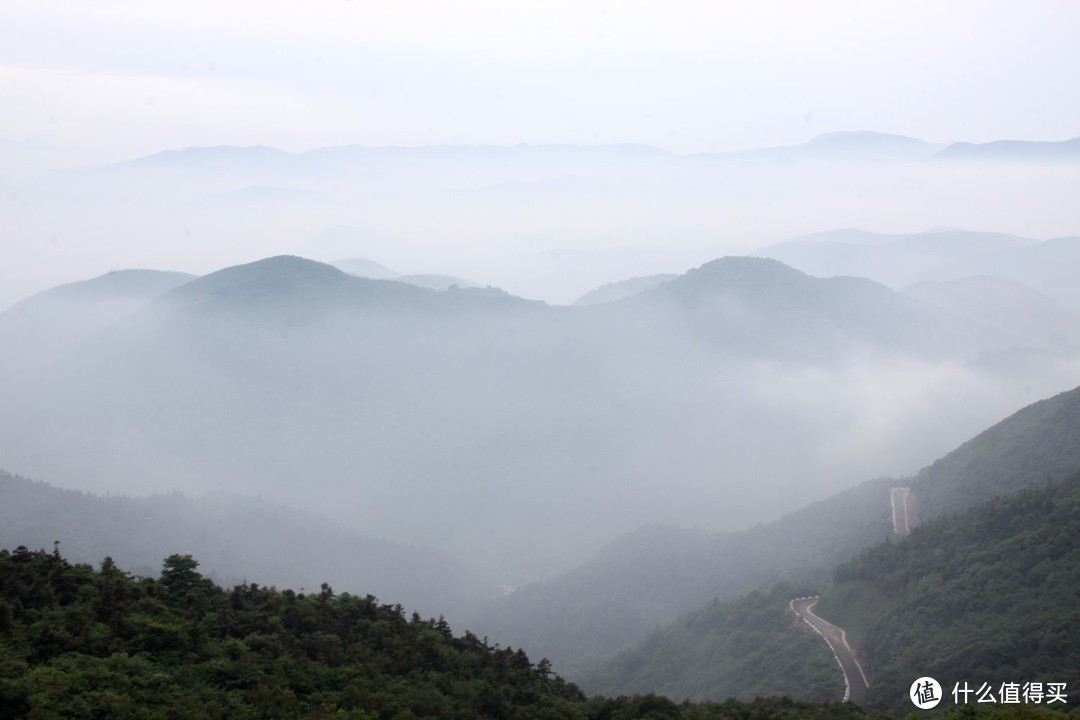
column 54, row 322
column 294, row 381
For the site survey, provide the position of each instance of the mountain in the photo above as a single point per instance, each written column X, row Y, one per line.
column 759, row 305
column 895, row 260
column 1013, row 151
column 723, row 397
column 846, row 146
column 1038, row 444
column 50, row 323
column 988, row 596
column 1047, row 267
column 904, row 260
column 100, row 642
column 647, row 579
column 871, row 145
column 284, row 289
column 180, row 645
column 860, row 145
column 1006, row 306
column 388, row 164
column 236, row 538
column 621, row 289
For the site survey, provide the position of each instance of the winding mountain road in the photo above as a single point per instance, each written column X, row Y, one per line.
column 855, row 680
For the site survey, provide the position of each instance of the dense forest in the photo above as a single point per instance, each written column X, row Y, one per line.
column 80, row 642
column 76, row 641
column 987, row 596
column 1038, row 443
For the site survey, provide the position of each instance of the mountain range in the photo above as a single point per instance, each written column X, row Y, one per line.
column 844, row 145
column 718, row 398
column 545, row 222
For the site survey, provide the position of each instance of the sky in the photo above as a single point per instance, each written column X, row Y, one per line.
column 112, row 79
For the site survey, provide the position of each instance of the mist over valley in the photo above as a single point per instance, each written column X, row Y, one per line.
column 583, row 360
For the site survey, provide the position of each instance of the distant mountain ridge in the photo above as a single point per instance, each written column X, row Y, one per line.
column 236, row 538
column 851, row 145
column 1014, row 151
column 895, row 260
column 900, row 261
column 771, row 307
column 53, row 322
column 621, row 289
column 1005, row 305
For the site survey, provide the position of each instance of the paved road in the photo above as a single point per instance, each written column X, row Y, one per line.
column 900, row 520
column 854, row 677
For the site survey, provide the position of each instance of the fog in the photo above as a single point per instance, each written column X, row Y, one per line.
column 490, row 418
column 547, row 223
column 518, row 316
column 514, row 435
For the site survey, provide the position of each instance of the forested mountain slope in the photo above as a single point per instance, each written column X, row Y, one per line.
column 1039, row 443
column 986, row 595
column 647, row 579
column 80, row 642
column 750, row 647
column 989, row 596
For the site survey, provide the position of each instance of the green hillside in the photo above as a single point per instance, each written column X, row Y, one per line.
column 86, row 643
column 1037, row 444
column 987, row 596
column 751, row 647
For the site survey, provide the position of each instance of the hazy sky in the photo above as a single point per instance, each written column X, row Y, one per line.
column 118, row 78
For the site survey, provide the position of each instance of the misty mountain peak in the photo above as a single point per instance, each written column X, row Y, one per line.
column 738, row 273
column 274, row 285
column 279, row 270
